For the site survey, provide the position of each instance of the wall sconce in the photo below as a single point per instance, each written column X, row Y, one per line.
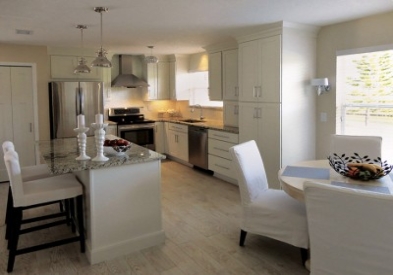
column 322, row 85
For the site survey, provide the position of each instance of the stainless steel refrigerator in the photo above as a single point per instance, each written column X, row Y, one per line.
column 69, row 99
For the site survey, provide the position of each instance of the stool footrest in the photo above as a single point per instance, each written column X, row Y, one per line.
column 46, row 217
column 46, row 245
column 43, row 226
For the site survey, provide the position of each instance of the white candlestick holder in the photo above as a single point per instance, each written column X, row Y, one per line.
column 82, row 143
column 99, row 135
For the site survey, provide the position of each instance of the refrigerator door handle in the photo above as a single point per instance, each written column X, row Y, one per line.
column 77, row 101
column 82, row 100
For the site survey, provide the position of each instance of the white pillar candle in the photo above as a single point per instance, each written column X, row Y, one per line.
column 99, row 119
column 81, row 121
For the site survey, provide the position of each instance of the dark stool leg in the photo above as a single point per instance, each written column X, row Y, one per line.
column 14, row 236
column 71, row 215
column 7, row 213
column 81, row 227
column 243, row 235
column 304, row 255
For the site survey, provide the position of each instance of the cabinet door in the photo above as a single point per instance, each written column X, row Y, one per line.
column 111, row 130
column 17, row 113
column 231, row 113
column 215, row 76
column 260, row 70
column 230, row 75
column 178, row 144
column 179, row 81
column 152, row 80
column 270, row 69
column 159, row 137
column 248, row 70
column 261, row 122
column 163, row 80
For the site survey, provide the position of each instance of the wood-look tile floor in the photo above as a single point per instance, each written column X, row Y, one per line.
column 200, row 219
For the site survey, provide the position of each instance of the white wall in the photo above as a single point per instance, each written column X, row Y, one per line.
column 366, row 32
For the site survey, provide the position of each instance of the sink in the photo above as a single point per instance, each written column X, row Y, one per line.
column 191, row 120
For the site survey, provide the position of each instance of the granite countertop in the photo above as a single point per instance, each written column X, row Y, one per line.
column 209, row 124
column 60, row 155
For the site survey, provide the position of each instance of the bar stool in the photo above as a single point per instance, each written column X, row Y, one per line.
column 25, row 195
column 28, row 173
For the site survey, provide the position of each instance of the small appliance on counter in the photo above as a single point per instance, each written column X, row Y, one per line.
column 132, row 126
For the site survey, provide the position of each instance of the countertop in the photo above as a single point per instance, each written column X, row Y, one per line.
column 60, row 155
column 209, row 124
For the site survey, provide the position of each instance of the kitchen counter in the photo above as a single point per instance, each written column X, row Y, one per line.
column 60, row 155
column 122, row 196
column 209, row 124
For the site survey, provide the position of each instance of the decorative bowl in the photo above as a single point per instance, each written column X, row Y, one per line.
column 116, row 147
column 116, row 150
column 359, row 168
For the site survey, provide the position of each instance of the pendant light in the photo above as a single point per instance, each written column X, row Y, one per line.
column 82, row 67
column 151, row 58
column 101, row 60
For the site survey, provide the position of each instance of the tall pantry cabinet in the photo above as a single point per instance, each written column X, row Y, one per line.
column 276, row 103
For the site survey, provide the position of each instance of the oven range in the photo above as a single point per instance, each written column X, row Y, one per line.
column 132, row 126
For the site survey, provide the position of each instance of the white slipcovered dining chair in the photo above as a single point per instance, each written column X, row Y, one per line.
column 350, row 230
column 25, row 195
column 268, row 212
column 363, row 145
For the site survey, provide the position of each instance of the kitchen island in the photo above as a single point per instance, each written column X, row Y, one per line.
column 122, row 196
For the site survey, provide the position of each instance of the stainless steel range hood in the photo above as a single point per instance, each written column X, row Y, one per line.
column 129, row 65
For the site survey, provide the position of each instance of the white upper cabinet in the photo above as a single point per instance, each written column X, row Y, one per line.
column 230, row 75
column 158, row 80
column 215, row 76
column 260, row 70
column 62, row 67
column 223, row 75
column 179, row 80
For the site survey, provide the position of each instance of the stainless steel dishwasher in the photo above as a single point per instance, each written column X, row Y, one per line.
column 197, row 146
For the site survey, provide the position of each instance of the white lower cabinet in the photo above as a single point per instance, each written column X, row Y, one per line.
column 231, row 113
column 159, row 137
column 177, row 141
column 219, row 158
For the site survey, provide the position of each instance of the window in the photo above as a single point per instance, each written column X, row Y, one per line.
column 200, row 92
column 364, row 98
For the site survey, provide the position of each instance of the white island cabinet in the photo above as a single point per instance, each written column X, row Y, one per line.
column 122, row 196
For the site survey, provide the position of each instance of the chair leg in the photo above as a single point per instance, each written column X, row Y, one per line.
column 7, row 213
column 14, row 236
column 304, row 255
column 79, row 209
column 71, row 214
column 243, row 235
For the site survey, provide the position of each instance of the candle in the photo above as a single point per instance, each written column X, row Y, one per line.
column 81, row 121
column 99, row 119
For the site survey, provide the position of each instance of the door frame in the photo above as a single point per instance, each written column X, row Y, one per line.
column 33, row 66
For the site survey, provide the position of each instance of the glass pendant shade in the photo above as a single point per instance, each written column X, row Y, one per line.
column 82, row 67
column 151, row 58
column 101, row 60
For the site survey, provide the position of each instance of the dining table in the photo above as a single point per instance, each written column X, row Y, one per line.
column 292, row 178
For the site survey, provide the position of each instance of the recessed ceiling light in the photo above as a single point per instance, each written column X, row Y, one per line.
column 28, row 32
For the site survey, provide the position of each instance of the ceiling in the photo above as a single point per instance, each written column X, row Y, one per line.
column 172, row 26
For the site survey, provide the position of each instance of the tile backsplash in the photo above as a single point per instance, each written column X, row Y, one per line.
column 136, row 97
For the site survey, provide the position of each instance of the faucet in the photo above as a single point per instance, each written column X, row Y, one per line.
column 200, row 108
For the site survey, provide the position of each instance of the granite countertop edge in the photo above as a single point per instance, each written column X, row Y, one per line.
column 214, row 125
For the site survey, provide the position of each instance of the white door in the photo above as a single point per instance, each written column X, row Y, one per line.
column 17, row 113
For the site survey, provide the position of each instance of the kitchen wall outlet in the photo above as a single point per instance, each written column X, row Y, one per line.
column 323, row 117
